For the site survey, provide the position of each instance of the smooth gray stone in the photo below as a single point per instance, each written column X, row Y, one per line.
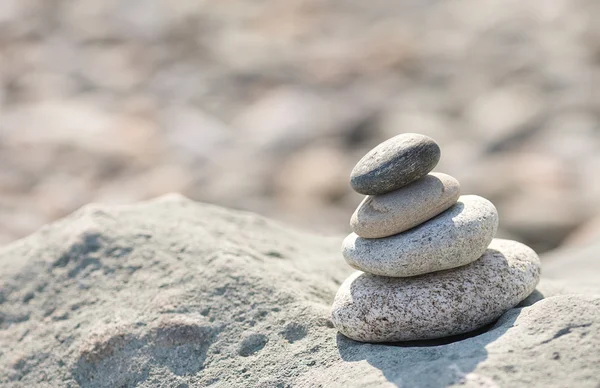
column 395, row 163
column 388, row 214
column 456, row 237
column 371, row 308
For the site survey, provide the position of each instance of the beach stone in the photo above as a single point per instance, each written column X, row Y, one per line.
column 392, row 213
column 456, row 237
column 395, row 163
column 371, row 308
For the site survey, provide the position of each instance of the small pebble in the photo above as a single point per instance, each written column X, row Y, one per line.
column 395, row 163
column 392, row 213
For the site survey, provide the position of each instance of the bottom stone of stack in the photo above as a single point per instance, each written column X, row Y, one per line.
column 371, row 308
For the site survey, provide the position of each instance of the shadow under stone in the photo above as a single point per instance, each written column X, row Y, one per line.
column 429, row 363
column 532, row 299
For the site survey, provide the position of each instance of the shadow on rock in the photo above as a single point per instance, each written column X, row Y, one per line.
column 429, row 363
column 532, row 299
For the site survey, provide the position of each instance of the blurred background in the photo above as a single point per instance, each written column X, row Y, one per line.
column 267, row 105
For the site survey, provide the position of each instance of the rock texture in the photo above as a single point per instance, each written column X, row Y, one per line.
column 372, row 308
column 172, row 293
column 395, row 163
column 388, row 214
column 456, row 237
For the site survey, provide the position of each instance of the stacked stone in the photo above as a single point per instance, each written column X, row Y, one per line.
column 429, row 265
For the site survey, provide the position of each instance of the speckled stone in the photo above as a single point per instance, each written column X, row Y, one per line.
column 456, row 237
column 392, row 213
column 395, row 163
column 373, row 308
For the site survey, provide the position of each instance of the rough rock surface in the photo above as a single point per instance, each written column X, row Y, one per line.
column 371, row 308
column 177, row 294
column 395, row 163
column 388, row 214
column 456, row 237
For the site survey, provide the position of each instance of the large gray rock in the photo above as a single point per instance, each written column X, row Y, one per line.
column 371, row 308
column 172, row 293
column 456, row 237
column 395, row 163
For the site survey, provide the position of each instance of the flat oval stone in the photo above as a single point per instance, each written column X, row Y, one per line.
column 392, row 213
column 395, row 163
column 371, row 308
column 456, row 237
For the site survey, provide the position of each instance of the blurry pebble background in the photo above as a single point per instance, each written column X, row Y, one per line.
column 267, row 105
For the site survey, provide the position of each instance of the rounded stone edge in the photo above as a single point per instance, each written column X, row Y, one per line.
column 356, row 179
column 367, row 231
column 350, row 259
column 496, row 244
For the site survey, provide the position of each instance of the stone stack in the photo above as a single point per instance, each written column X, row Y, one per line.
column 429, row 265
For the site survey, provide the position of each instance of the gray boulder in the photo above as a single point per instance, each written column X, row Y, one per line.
column 172, row 293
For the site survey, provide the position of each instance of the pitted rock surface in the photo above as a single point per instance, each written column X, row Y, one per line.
column 173, row 293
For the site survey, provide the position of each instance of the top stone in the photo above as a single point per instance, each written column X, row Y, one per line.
column 395, row 163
